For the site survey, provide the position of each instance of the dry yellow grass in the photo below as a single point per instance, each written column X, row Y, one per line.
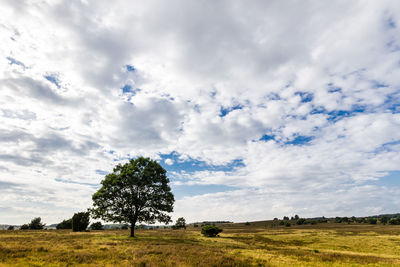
column 239, row 245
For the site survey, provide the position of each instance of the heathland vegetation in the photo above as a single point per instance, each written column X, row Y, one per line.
column 138, row 192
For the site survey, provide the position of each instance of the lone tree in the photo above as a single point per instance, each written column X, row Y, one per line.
column 36, row 224
column 180, row 223
column 137, row 191
column 80, row 221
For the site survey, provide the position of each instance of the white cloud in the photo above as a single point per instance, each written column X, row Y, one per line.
column 64, row 116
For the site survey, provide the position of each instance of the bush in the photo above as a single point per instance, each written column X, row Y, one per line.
column 247, row 223
column 65, row 224
column 80, row 221
column 195, row 225
column 24, row 227
column 10, row 228
column 180, row 223
column 287, row 224
column 124, row 227
column 281, row 223
column 210, row 231
column 394, row 221
column 36, row 224
column 97, row 226
column 372, row 220
column 301, row 221
column 384, row 220
column 285, row 218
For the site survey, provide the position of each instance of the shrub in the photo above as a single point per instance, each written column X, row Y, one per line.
column 195, row 225
column 285, row 218
column 372, row 220
column 180, row 223
column 384, row 220
column 10, row 228
column 313, row 222
column 65, row 224
column 36, row 224
column 247, row 223
column 80, row 221
column 301, row 221
column 281, row 223
column 97, row 226
column 210, row 230
column 24, row 227
column 394, row 221
column 287, row 224
column 124, row 227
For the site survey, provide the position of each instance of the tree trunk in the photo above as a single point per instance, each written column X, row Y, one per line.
column 132, row 230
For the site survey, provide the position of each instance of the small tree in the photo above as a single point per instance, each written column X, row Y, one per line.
column 301, row 221
column 180, row 223
column 137, row 191
column 65, row 224
column 210, row 231
column 10, row 228
column 296, row 217
column 384, row 220
column 97, row 226
column 285, row 218
column 80, row 221
column 36, row 224
column 24, row 227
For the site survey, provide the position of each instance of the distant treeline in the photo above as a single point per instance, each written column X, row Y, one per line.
column 393, row 219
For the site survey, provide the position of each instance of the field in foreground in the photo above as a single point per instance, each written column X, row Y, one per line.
column 239, row 245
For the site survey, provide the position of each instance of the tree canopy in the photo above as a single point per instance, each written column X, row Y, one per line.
column 137, row 191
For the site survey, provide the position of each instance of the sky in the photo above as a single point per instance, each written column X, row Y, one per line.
column 257, row 109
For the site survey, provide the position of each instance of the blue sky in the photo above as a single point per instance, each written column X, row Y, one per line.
column 256, row 109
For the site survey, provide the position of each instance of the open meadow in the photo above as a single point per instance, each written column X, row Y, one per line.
column 257, row 244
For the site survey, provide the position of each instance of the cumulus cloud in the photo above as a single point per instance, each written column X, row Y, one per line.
column 304, row 95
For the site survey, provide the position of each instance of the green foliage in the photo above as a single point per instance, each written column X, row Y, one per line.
column 338, row 220
column 210, row 230
column 10, row 228
column 137, row 191
column 281, row 223
column 394, row 221
column 287, row 224
column 65, row 224
column 80, row 221
column 247, row 224
column 24, row 227
column 36, row 224
column 97, row 226
column 285, row 218
column 180, row 223
column 384, row 220
column 125, row 227
column 296, row 217
column 372, row 220
column 301, row 221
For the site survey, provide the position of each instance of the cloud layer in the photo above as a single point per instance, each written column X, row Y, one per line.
column 305, row 96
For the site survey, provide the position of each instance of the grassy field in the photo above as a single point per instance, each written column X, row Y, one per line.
column 258, row 244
